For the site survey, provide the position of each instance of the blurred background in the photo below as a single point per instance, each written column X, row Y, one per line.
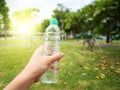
column 100, row 18
column 95, row 66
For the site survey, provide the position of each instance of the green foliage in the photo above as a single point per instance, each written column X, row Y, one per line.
column 60, row 14
column 4, row 18
column 44, row 25
column 73, row 22
column 103, row 16
column 26, row 14
column 106, row 16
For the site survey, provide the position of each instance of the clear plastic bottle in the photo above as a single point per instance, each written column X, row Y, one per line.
column 52, row 46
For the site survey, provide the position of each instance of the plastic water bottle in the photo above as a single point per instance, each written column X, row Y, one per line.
column 52, row 46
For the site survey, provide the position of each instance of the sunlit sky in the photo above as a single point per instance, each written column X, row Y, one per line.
column 46, row 6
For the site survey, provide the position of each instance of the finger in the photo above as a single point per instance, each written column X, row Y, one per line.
column 56, row 57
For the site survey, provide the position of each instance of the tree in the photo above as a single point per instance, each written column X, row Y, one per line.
column 73, row 22
column 42, row 26
column 107, row 14
column 87, row 18
column 25, row 17
column 101, row 17
column 60, row 13
column 4, row 17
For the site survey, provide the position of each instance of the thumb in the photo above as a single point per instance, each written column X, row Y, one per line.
column 56, row 57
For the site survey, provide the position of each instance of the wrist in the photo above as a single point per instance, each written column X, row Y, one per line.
column 22, row 82
column 27, row 74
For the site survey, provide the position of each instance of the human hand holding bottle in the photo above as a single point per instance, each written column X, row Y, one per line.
column 32, row 72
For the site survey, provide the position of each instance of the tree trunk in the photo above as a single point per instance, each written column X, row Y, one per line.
column 108, row 37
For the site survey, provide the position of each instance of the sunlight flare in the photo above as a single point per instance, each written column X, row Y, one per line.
column 24, row 29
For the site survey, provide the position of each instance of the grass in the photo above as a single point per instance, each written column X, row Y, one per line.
column 79, row 70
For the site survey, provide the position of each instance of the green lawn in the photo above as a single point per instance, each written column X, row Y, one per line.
column 79, row 70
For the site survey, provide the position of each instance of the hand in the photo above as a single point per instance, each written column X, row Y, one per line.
column 40, row 63
column 35, row 68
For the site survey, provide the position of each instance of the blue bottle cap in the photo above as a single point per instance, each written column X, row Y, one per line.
column 54, row 21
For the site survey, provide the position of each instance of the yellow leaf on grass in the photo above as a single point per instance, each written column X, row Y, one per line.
column 103, row 68
column 97, row 76
column 117, row 71
column 64, row 83
column 86, row 67
column 96, row 68
column 101, row 76
column 83, row 74
column 111, row 67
